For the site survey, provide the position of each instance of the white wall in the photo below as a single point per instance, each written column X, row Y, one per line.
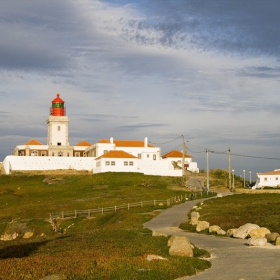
column 268, row 181
column 15, row 163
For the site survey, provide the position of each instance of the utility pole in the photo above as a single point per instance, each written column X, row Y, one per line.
column 183, row 160
column 207, row 171
column 229, row 169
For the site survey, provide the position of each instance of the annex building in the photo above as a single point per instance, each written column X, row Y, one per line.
column 107, row 155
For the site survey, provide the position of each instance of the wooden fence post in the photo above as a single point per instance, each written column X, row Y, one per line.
column 88, row 212
column 154, row 203
column 141, row 203
column 62, row 215
column 128, row 206
column 115, row 208
column 75, row 213
column 102, row 210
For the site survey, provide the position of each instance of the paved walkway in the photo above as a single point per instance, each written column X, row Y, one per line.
column 231, row 258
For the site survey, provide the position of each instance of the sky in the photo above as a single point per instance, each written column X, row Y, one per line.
column 162, row 69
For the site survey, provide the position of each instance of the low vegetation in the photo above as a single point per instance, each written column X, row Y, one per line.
column 109, row 246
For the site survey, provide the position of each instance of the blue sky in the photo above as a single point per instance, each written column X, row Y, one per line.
column 208, row 70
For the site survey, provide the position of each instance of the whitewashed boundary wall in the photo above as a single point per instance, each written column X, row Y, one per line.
column 23, row 163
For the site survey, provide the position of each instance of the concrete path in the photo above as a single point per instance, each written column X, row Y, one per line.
column 231, row 258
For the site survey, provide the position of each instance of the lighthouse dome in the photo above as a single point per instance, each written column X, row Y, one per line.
column 57, row 108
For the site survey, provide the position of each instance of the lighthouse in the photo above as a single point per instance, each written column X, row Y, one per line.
column 58, row 129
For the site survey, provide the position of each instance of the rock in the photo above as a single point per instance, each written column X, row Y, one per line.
column 219, row 195
column 28, row 234
column 181, row 246
column 54, row 277
column 154, row 257
column 214, row 228
column 277, row 241
column 159, row 233
column 9, row 236
column 257, row 241
column 221, row 232
column 243, row 231
column 259, row 232
column 194, row 218
column 271, row 237
column 231, row 232
column 170, row 240
column 202, row 225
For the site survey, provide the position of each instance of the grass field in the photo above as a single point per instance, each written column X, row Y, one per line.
column 109, row 246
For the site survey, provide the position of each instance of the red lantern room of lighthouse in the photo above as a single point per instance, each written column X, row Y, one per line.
column 57, row 108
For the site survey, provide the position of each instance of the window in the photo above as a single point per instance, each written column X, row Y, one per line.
column 60, row 154
column 113, row 163
column 148, row 156
column 125, row 163
column 52, row 154
column 276, row 178
column 139, row 156
column 107, row 163
column 43, row 154
column 105, row 151
column 84, row 154
column 154, row 157
column 265, row 179
column 68, row 154
column 77, row 154
column 131, row 163
column 98, row 163
column 58, row 144
column 58, row 128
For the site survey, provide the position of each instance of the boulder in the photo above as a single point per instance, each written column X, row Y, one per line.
column 221, row 232
column 271, row 237
column 159, row 233
column 219, row 195
column 257, row 241
column 202, row 225
column 277, row 241
column 194, row 218
column 214, row 228
column 154, row 257
column 9, row 236
column 181, row 246
column 28, row 234
column 231, row 232
column 170, row 240
column 243, row 231
column 259, row 232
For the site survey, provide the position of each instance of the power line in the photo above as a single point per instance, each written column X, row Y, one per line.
column 166, row 142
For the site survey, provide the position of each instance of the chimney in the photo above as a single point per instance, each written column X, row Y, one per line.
column 111, row 140
column 146, row 142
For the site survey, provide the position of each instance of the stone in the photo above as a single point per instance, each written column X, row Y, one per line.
column 271, row 237
column 214, row 228
column 277, row 241
column 28, row 234
column 170, row 240
column 159, row 233
column 231, row 232
column 9, row 236
column 202, row 225
column 154, row 257
column 219, row 195
column 221, row 232
column 259, row 232
column 257, row 241
column 194, row 218
column 181, row 246
column 243, row 231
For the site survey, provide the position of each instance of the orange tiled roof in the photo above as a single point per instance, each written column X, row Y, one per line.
column 83, row 143
column 175, row 154
column 127, row 143
column 33, row 142
column 275, row 172
column 104, row 141
column 117, row 154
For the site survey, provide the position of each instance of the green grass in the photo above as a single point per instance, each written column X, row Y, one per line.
column 237, row 210
column 109, row 246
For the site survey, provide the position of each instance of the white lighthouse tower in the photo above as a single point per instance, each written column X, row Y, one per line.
column 58, row 130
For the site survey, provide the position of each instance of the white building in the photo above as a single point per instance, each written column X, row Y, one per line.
column 104, row 156
column 268, row 179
